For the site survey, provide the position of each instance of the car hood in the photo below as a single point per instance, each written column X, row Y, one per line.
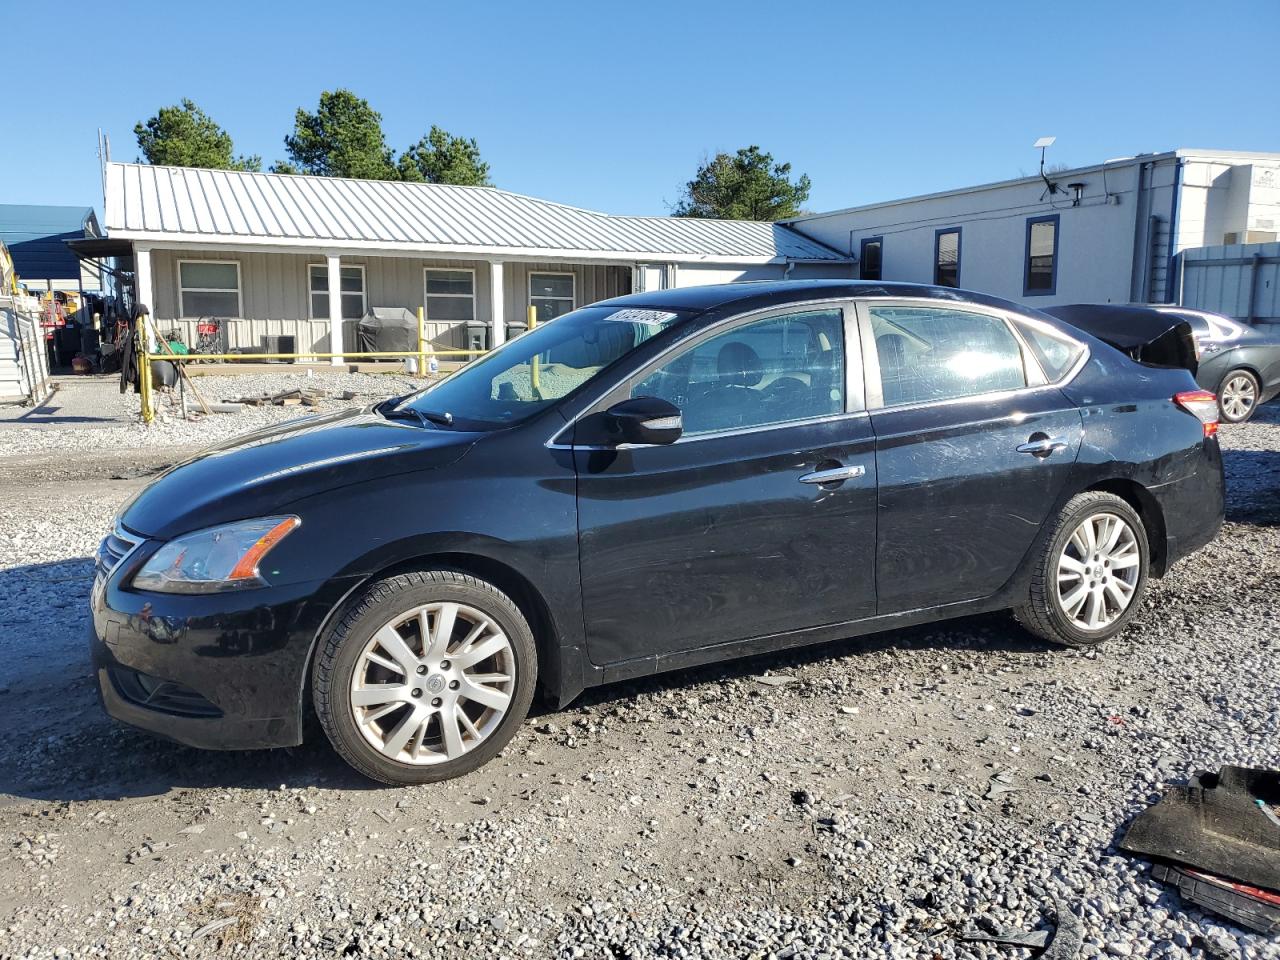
column 263, row 472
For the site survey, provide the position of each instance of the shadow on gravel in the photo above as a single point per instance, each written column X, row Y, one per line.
column 991, row 633
column 1253, row 486
column 59, row 744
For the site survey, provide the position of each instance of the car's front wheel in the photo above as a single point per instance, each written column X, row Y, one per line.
column 1238, row 396
column 1090, row 574
column 426, row 677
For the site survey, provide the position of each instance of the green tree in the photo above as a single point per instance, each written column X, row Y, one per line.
column 440, row 157
column 185, row 136
column 745, row 186
column 343, row 138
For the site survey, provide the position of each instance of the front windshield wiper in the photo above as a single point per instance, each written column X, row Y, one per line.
column 389, row 410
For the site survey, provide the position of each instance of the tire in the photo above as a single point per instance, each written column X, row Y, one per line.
column 1238, row 396
column 404, row 712
column 1053, row 609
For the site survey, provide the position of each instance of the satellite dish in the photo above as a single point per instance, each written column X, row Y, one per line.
column 1043, row 144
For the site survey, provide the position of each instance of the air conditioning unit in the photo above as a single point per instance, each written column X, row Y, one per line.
column 285, row 344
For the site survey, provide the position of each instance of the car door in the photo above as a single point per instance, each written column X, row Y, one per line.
column 760, row 519
column 973, row 447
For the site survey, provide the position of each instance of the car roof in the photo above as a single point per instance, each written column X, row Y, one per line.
column 762, row 294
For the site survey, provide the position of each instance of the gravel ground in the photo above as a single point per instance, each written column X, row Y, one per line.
column 824, row 803
column 118, row 423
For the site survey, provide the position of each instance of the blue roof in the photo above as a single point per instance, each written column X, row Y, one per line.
column 36, row 237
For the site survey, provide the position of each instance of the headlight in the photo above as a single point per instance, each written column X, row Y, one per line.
column 214, row 560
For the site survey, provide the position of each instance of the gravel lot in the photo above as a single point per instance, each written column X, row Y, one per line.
column 824, row 803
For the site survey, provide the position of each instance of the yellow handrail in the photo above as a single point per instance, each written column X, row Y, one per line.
column 232, row 357
column 144, row 359
column 422, row 355
column 144, row 371
column 535, row 373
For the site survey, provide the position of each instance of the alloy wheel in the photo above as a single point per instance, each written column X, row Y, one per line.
column 1097, row 571
column 1239, row 394
column 433, row 683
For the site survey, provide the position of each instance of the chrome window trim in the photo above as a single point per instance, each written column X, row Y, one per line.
column 875, row 387
column 1053, row 333
column 718, row 434
column 967, row 398
column 844, row 304
column 870, row 359
column 1032, row 372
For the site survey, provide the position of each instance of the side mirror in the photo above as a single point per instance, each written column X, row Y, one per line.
column 646, row 420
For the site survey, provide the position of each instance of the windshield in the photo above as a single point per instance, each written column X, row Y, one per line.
column 538, row 368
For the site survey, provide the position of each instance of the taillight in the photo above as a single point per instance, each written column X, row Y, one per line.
column 1203, row 405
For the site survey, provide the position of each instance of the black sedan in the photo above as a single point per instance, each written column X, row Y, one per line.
column 648, row 483
column 1240, row 364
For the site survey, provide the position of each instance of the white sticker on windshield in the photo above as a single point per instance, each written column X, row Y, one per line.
column 633, row 315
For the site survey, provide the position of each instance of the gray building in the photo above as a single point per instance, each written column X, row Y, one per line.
column 1107, row 233
column 305, row 257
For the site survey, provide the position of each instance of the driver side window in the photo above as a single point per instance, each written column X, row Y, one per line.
column 789, row 367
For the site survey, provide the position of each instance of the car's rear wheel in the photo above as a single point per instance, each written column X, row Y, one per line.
column 1090, row 574
column 1238, row 396
column 426, row 677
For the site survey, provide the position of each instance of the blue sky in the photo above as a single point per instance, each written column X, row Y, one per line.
column 612, row 106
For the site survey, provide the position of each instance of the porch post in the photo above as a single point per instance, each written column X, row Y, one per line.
column 335, row 308
column 144, row 290
column 497, row 309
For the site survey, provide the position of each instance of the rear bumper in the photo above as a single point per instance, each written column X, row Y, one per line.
column 1193, row 507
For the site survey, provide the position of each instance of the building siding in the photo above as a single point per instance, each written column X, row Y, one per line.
column 1119, row 244
column 275, row 299
column 1095, row 239
column 1233, row 280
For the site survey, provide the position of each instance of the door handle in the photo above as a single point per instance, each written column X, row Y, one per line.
column 834, row 475
column 1043, row 447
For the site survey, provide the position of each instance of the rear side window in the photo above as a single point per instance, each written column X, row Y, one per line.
column 1055, row 353
column 928, row 354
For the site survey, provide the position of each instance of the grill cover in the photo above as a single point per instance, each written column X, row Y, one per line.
column 388, row 328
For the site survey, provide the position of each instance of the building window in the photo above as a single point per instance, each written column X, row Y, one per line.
column 551, row 294
column 353, row 299
column 1040, row 270
column 209, row 288
column 946, row 257
column 870, row 258
column 451, row 295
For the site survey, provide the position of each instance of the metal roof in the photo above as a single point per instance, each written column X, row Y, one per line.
column 189, row 205
column 36, row 235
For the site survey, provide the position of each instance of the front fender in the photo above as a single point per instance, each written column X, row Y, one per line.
column 511, row 513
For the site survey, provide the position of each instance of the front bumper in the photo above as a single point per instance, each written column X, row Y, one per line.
column 222, row 672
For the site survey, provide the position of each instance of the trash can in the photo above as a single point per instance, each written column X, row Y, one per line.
column 477, row 336
column 515, row 328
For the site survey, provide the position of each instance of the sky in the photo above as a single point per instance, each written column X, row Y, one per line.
column 613, row 106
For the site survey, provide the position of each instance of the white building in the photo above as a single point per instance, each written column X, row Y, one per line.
column 1109, row 233
column 303, row 258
